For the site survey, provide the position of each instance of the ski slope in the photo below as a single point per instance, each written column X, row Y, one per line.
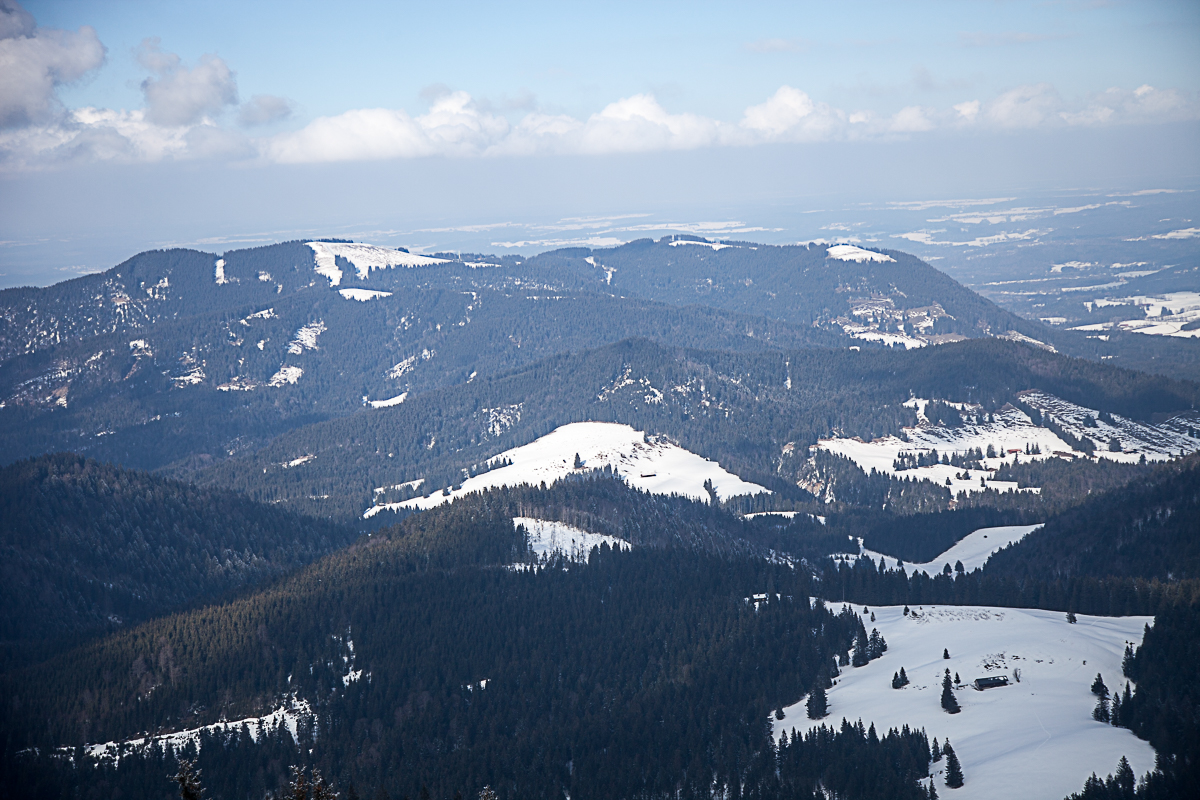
column 1035, row 738
column 647, row 463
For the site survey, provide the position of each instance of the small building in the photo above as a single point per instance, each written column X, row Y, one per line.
column 991, row 682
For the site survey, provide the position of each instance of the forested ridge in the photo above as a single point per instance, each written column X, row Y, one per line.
column 642, row 672
column 89, row 547
column 737, row 409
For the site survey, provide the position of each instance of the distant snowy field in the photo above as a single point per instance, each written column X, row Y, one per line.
column 1012, row 430
column 653, row 466
column 547, row 538
column 973, row 550
column 1030, row 739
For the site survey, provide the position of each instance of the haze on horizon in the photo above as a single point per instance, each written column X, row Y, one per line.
column 137, row 125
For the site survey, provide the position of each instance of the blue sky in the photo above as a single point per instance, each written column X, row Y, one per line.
column 122, row 93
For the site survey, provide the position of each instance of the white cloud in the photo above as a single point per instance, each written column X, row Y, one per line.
column 639, row 123
column 263, row 109
column 1024, row 107
column 791, row 115
column 34, row 62
column 182, row 96
column 1143, row 104
column 968, row 110
column 910, row 120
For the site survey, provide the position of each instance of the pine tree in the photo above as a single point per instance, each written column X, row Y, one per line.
column 954, row 775
column 932, row 790
column 578, row 462
column 1098, row 687
column 1125, row 778
column 1101, row 713
column 1127, row 661
column 936, row 753
column 188, row 778
column 486, row 793
column 949, row 701
column 299, row 786
column 957, row 682
column 1071, row 617
column 946, row 653
column 818, row 703
column 903, row 677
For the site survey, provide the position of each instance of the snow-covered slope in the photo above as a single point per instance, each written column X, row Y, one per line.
column 547, row 538
column 973, row 550
column 1035, row 738
column 364, row 257
column 288, row 716
column 1012, row 433
column 1166, row 315
column 848, row 252
column 646, row 463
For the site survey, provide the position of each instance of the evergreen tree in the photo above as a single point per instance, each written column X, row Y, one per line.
column 1101, row 713
column 936, row 752
column 1125, row 779
column 1071, row 617
column 188, row 778
column 1098, row 687
column 578, row 462
column 818, row 703
column 946, row 653
column 903, row 677
column 957, row 681
column 954, row 775
column 932, row 790
column 949, row 701
column 1127, row 661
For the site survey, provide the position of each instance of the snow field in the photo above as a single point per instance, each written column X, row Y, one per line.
column 546, row 538
column 362, row 295
column 973, row 550
column 848, row 252
column 1035, row 738
column 364, row 257
column 653, row 466
column 389, row 402
column 1184, row 308
column 1012, row 429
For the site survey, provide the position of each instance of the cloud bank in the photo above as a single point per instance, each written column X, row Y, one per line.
column 194, row 111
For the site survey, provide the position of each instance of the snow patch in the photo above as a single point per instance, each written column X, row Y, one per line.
column 848, row 252
column 219, row 272
column 364, row 257
column 285, row 375
column 306, row 338
column 391, row 401
column 547, row 538
column 288, row 716
column 362, row 295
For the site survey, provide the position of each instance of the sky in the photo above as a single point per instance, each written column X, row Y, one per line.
column 126, row 125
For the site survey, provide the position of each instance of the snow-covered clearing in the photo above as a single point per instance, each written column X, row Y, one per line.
column 362, row 295
column 1010, row 434
column 713, row 245
column 646, row 463
column 870, row 334
column 973, row 550
column 388, row 403
column 848, row 252
column 364, row 257
column 288, row 715
column 285, row 375
column 306, row 338
column 1183, row 309
column 219, row 272
column 547, row 538
column 1035, row 738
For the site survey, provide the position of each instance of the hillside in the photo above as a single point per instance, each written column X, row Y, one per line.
column 89, row 548
column 756, row 414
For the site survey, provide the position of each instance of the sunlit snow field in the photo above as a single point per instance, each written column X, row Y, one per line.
column 1033, row 739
